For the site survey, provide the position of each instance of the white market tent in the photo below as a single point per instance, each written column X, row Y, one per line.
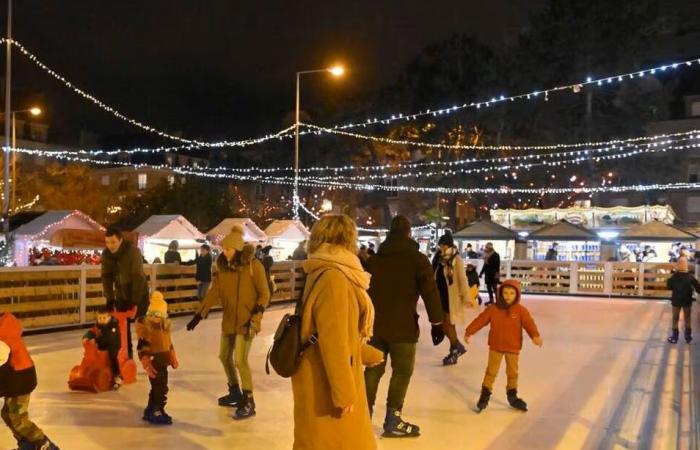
column 284, row 236
column 251, row 232
column 156, row 233
column 38, row 232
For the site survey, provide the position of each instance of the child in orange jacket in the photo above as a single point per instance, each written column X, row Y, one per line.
column 508, row 318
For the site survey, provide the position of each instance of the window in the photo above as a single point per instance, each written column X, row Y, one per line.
column 695, row 109
column 260, row 191
column 693, row 204
column 392, row 182
column 693, row 173
column 143, row 181
column 123, row 184
column 105, row 180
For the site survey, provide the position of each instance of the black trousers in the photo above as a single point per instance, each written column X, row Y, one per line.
column 677, row 316
column 491, row 288
column 158, row 396
column 113, row 351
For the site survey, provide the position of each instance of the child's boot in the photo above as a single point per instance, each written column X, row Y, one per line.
column 233, row 397
column 515, row 401
column 395, row 427
column 455, row 352
column 673, row 338
column 688, row 335
column 246, row 407
column 46, row 444
column 483, row 399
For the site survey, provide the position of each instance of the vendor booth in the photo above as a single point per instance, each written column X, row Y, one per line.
column 575, row 243
column 251, row 232
column 45, row 234
column 156, row 233
column 479, row 233
column 654, row 242
column 285, row 236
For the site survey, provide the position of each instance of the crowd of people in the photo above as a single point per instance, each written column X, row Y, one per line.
column 48, row 257
column 358, row 315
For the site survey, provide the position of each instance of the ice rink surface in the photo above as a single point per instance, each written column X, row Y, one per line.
column 605, row 379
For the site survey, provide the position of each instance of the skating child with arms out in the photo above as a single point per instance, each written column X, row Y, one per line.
column 508, row 318
column 105, row 333
column 156, row 353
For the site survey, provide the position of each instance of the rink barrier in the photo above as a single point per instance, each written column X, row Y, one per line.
column 64, row 296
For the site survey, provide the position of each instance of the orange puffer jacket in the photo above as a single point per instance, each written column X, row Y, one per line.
column 18, row 375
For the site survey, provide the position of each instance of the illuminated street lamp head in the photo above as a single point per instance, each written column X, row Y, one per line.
column 35, row 111
column 337, row 70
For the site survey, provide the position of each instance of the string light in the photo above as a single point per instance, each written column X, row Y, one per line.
column 368, row 230
column 242, row 143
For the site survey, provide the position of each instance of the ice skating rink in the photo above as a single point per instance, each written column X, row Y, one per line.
column 605, row 379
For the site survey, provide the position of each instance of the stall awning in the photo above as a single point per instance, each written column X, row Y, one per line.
column 251, row 232
column 287, row 229
column 486, row 229
column 44, row 226
column 563, row 231
column 657, row 232
column 173, row 227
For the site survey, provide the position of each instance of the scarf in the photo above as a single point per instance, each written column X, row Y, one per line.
column 447, row 262
column 349, row 264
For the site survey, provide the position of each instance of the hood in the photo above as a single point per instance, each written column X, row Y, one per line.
column 397, row 244
column 330, row 256
column 499, row 297
column 247, row 255
column 10, row 327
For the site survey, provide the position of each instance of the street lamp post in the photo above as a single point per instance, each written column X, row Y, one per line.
column 8, row 109
column 336, row 71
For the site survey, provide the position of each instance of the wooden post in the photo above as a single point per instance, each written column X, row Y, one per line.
column 608, row 279
column 640, row 279
column 573, row 278
column 293, row 281
column 83, row 295
column 153, row 284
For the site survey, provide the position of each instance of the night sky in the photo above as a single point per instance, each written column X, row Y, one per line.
column 223, row 67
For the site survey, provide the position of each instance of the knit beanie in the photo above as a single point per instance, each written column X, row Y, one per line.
column 682, row 264
column 4, row 353
column 234, row 239
column 158, row 306
column 446, row 239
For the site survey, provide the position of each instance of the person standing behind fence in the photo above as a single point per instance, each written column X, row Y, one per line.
column 241, row 287
column 202, row 276
column 124, row 282
column 491, row 271
column 400, row 274
column 172, row 256
column 330, row 403
column 682, row 285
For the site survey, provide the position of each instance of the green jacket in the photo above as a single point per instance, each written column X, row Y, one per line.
column 124, row 282
column 400, row 274
column 241, row 289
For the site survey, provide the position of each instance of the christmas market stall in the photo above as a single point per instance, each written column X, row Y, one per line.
column 156, row 234
column 479, row 233
column 251, row 232
column 574, row 242
column 45, row 239
column 285, row 236
column 655, row 241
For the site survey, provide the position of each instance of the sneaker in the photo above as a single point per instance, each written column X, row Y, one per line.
column 514, row 401
column 396, row 427
column 246, row 408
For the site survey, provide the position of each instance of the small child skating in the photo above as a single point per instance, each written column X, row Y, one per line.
column 156, row 353
column 17, row 381
column 682, row 285
column 105, row 333
column 473, row 282
column 508, row 318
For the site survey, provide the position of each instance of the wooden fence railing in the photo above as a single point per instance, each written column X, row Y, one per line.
column 56, row 296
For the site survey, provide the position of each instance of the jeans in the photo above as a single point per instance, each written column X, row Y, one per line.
column 403, row 358
column 686, row 317
column 158, row 396
column 202, row 288
column 233, row 353
column 15, row 414
column 494, row 365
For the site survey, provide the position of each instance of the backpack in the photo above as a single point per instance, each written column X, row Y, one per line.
column 287, row 349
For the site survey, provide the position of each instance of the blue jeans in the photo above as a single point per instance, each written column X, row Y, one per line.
column 202, row 288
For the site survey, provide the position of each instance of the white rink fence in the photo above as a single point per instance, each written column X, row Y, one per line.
column 47, row 297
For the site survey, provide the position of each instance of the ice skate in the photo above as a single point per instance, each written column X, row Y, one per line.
column 455, row 353
column 483, row 399
column 246, row 408
column 233, row 398
column 688, row 336
column 673, row 338
column 160, row 417
column 516, row 402
column 395, row 427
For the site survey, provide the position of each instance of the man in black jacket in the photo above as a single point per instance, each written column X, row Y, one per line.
column 400, row 274
column 491, row 270
column 202, row 276
column 124, row 282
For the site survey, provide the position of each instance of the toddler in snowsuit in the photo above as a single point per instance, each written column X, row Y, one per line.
column 507, row 318
column 682, row 284
column 107, row 336
column 17, row 381
column 156, row 353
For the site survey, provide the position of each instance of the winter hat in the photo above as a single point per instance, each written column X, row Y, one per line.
column 515, row 284
column 158, row 305
column 682, row 264
column 234, row 239
column 446, row 239
column 4, row 353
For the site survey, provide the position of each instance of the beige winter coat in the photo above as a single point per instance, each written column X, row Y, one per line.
column 458, row 292
column 330, row 375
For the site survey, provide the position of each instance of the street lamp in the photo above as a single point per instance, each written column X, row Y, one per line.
column 336, row 71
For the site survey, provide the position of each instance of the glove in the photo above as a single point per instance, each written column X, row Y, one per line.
column 257, row 309
column 148, row 366
column 252, row 331
column 438, row 333
column 194, row 322
column 173, row 359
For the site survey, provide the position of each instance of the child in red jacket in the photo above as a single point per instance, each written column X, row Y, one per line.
column 507, row 318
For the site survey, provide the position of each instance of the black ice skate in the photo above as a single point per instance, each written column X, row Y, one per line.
column 395, row 427
column 688, row 335
column 246, row 407
column 673, row 338
column 233, row 398
column 483, row 399
column 514, row 401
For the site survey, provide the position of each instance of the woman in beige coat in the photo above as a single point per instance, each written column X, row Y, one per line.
column 330, row 404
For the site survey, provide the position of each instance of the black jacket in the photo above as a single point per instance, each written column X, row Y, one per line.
column 492, row 267
column 123, row 280
column 203, row 263
column 682, row 285
column 400, row 274
column 172, row 257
